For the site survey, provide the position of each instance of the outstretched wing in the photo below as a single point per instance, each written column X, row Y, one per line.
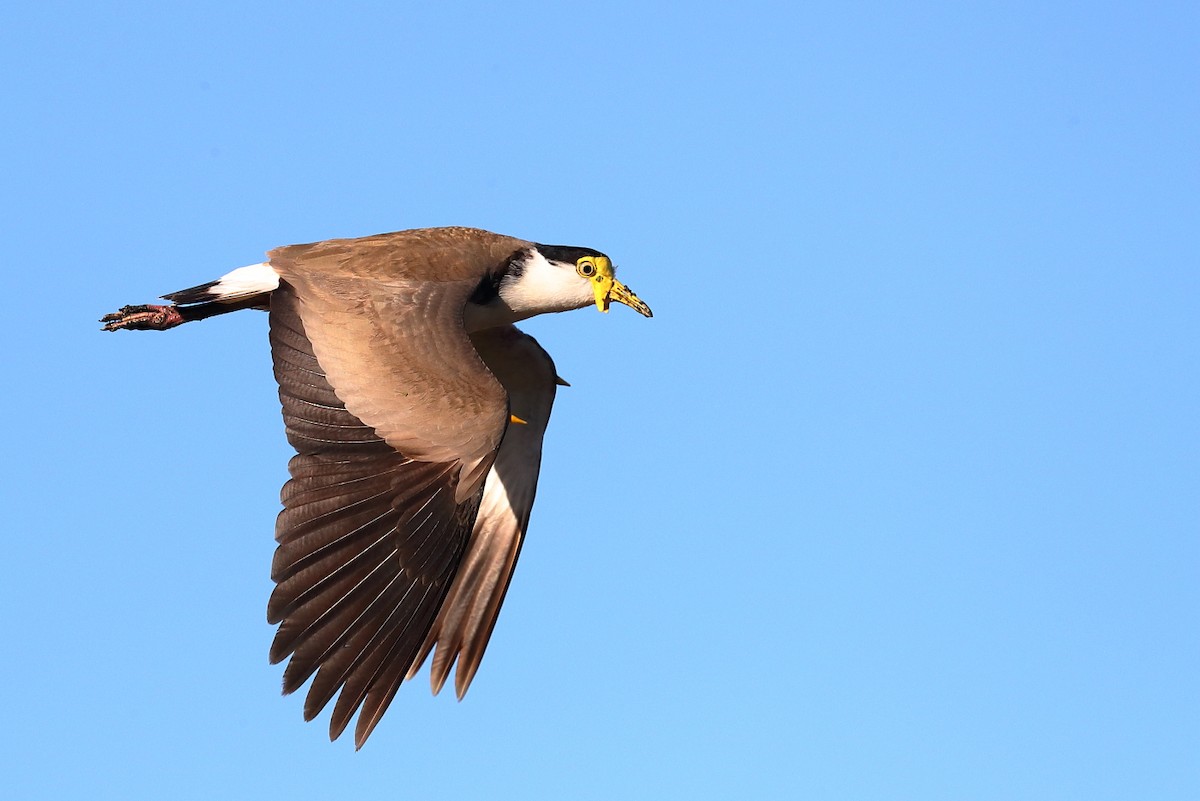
column 470, row 609
column 369, row 538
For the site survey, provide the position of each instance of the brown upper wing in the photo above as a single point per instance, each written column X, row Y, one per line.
column 384, row 317
column 369, row 541
column 419, row 254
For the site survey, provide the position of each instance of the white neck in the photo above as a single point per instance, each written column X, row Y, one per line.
column 541, row 287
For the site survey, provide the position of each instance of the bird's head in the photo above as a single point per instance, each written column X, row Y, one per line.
column 559, row 278
column 597, row 269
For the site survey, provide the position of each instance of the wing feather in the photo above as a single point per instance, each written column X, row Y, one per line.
column 384, row 318
column 369, row 541
column 469, row 612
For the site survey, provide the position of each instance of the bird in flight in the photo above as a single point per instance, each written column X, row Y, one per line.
column 417, row 411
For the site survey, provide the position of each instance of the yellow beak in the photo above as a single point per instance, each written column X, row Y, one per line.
column 608, row 289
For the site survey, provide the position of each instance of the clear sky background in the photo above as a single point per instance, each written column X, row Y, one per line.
column 896, row 497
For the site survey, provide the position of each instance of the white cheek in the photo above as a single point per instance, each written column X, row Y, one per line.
column 540, row 288
column 551, row 287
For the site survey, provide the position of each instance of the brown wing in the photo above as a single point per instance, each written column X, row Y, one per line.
column 384, row 317
column 468, row 615
column 369, row 540
column 419, row 254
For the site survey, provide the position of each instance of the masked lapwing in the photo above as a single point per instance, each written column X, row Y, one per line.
column 417, row 412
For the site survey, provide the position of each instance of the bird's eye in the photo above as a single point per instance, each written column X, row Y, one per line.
column 587, row 269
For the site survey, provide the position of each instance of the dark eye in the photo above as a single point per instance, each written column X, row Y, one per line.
column 587, row 269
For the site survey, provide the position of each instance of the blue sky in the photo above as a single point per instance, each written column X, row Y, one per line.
column 897, row 496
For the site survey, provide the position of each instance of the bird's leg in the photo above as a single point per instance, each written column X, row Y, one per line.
column 152, row 317
column 143, row 318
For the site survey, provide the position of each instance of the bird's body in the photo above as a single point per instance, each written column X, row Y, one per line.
column 417, row 412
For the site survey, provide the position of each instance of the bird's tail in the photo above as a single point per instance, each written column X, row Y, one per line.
column 244, row 288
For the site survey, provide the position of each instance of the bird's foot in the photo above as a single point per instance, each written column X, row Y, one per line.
column 143, row 318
